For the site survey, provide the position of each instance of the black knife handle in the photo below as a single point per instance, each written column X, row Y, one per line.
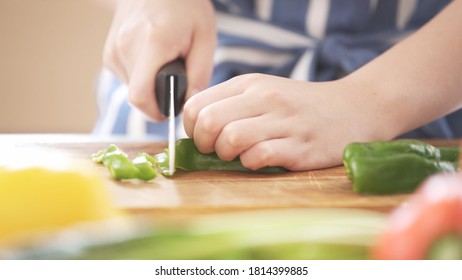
column 176, row 69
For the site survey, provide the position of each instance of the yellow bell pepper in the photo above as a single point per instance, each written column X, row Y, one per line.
column 37, row 199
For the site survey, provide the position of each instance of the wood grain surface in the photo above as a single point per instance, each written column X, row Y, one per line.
column 209, row 192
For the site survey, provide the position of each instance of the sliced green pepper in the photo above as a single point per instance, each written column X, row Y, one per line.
column 121, row 168
column 162, row 162
column 187, row 158
column 395, row 166
column 144, row 163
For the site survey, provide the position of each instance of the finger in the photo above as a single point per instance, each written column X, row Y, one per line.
column 142, row 80
column 126, row 49
column 240, row 135
column 286, row 152
column 213, row 118
column 113, row 61
column 199, row 62
column 196, row 104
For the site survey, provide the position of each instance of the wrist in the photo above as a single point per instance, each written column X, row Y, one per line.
column 378, row 112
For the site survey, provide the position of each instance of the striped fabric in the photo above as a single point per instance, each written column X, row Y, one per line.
column 312, row 40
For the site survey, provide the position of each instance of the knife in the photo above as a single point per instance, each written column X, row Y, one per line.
column 171, row 85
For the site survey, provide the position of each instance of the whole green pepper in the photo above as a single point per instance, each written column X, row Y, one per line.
column 403, row 146
column 395, row 166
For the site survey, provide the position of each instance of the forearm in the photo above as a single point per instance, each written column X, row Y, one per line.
column 419, row 79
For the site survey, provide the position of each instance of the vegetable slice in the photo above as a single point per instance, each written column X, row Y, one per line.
column 188, row 158
column 121, row 168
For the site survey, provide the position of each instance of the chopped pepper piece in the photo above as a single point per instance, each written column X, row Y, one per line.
column 121, row 168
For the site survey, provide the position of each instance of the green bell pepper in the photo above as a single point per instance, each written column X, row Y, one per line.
column 395, row 166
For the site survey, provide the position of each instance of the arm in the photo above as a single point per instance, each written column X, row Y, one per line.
column 419, row 79
column 301, row 125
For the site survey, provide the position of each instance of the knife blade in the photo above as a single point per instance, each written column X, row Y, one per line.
column 171, row 85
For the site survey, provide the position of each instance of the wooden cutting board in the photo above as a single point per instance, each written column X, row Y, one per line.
column 206, row 192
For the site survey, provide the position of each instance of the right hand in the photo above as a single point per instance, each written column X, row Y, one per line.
column 147, row 34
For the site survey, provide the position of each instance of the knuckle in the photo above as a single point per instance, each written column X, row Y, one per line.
column 207, row 122
column 122, row 43
column 262, row 155
column 204, row 144
column 266, row 153
column 135, row 98
column 233, row 136
column 230, row 144
column 251, row 78
column 125, row 36
column 152, row 32
column 157, row 35
column 190, row 112
column 225, row 154
column 109, row 57
column 248, row 162
column 252, row 164
column 276, row 96
column 143, row 105
column 254, row 77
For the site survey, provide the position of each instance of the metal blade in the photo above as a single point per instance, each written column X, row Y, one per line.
column 170, row 92
column 171, row 126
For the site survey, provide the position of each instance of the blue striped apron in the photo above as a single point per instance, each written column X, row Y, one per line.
column 312, row 40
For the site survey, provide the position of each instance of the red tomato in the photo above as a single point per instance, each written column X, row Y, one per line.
column 434, row 211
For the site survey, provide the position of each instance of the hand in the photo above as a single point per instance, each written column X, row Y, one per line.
column 273, row 121
column 300, row 125
column 147, row 34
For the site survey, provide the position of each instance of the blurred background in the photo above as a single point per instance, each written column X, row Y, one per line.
column 50, row 55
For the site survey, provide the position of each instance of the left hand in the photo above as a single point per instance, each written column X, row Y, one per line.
column 274, row 121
